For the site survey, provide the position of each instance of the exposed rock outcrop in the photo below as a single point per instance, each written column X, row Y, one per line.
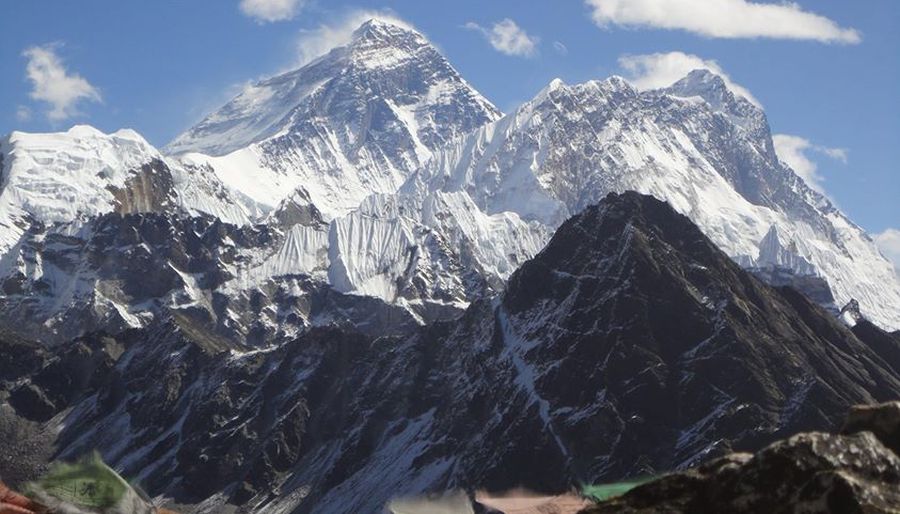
column 857, row 471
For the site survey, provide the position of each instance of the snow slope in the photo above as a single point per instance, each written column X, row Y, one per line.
column 354, row 122
column 69, row 176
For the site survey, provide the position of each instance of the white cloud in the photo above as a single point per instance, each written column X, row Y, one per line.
column 317, row 42
column 795, row 152
column 838, row 154
column 23, row 113
column 889, row 244
column 654, row 71
column 271, row 10
column 508, row 38
column 52, row 83
column 560, row 48
column 723, row 19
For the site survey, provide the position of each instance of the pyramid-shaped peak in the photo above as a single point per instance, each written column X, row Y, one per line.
column 384, row 25
column 616, row 84
column 384, row 64
column 383, row 30
column 704, row 76
column 379, row 43
column 703, row 83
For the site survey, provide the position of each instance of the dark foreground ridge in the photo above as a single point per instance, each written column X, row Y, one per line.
column 853, row 472
column 629, row 346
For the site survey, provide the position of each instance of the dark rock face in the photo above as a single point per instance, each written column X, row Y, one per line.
column 120, row 271
column 630, row 345
column 811, row 472
column 882, row 420
column 18, row 358
column 77, row 368
column 679, row 354
column 887, row 345
column 150, row 189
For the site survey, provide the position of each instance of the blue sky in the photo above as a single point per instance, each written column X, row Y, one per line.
column 830, row 80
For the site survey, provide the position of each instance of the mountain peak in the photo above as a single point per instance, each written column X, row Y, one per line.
column 706, row 77
column 373, row 67
column 70, row 176
column 380, row 43
column 728, row 98
column 386, row 33
column 381, row 26
column 554, row 86
column 715, row 89
column 704, row 84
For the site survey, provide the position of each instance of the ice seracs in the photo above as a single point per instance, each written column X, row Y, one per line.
column 772, row 252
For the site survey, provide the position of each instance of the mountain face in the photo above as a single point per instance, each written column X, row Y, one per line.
column 61, row 178
column 630, row 345
column 236, row 284
column 696, row 145
column 353, row 122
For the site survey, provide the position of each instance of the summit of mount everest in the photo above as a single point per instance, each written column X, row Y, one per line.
column 353, row 122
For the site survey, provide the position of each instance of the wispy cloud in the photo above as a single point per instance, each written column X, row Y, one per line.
column 560, row 48
column 723, row 19
column 889, row 244
column 318, row 41
column 795, row 152
column 54, row 84
column 23, row 113
column 267, row 11
column 654, row 71
column 508, row 38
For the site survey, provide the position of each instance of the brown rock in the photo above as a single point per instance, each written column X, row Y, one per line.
column 883, row 420
column 810, row 472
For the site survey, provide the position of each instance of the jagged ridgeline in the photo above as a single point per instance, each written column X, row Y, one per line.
column 375, row 174
column 359, row 280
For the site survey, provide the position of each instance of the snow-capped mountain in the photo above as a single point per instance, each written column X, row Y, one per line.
column 354, row 122
column 315, row 144
column 697, row 145
column 376, row 174
column 630, row 345
column 77, row 175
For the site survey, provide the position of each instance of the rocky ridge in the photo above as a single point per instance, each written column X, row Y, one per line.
column 630, row 345
column 855, row 471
